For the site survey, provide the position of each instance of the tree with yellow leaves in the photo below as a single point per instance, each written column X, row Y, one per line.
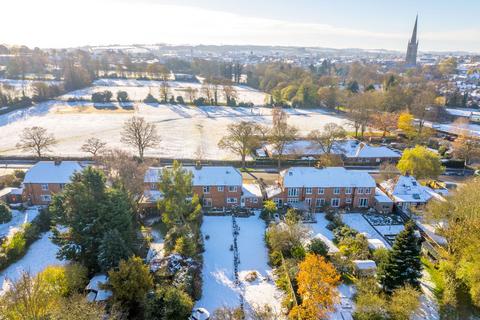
column 317, row 280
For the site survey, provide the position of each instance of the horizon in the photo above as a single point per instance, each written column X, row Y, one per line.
column 315, row 24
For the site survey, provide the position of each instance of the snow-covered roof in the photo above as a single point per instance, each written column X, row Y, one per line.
column 203, row 176
column 381, row 197
column 200, row 314
column 152, row 196
column 325, row 178
column 375, row 244
column 350, row 148
column 251, row 190
column 273, row 191
column 52, row 172
column 365, row 264
column 406, row 189
column 96, row 292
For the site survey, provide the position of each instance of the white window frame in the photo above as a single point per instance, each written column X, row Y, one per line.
column 348, row 200
column 46, row 197
column 363, row 205
column 206, row 189
column 335, row 200
column 44, row 186
column 232, row 200
column 308, row 190
column 255, row 200
column 292, row 200
column 360, row 190
column 321, row 190
column 320, row 202
column 308, row 201
column 292, row 192
column 367, row 190
column 207, row 202
column 220, row 189
column 348, row 190
column 232, row 188
column 336, row 190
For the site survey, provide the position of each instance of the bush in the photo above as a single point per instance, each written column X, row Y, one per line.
column 275, row 258
column 343, row 232
column 122, row 96
column 180, row 100
column 5, row 213
column 298, row 253
column 317, row 246
column 150, row 99
column 102, row 97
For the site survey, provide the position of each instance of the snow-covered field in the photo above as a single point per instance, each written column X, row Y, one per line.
column 186, row 131
column 138, row 89
column 219, row 287
column 41, row 254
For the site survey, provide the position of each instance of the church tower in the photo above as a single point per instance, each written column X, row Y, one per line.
column 411, row 58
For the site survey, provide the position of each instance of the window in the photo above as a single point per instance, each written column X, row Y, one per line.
column 292, row 192
column 206, row 189
column 360, row 190
column 308, row 201
column 220, row 188
column 232, row 188
column 321, row 190
column 367, row 190
column 348, row 190
column 292, row 200
column 153, row 186
column 348, row 200
column 231, row 200
column 363, row 203
column 255, row 200
column 46, row 198
column 336, row 190
column 335, row 202
column 44, row 186
column 308, row 190
column 207, row 202
column 320, row 202
column 62, row 186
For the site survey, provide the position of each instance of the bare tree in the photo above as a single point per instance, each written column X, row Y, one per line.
column 229, row 92
column 281, row 134
column 93, row 146
column 326, row 138
column 140, row 134
column 164, row 90
column 207, row 92
column 36, row 139
column 191, row 94
column 122, row 170
column 466, row 146
column 385, row 121
column 241, row 139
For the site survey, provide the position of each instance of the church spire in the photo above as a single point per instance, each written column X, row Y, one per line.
column 414, row 33
column 411, row 58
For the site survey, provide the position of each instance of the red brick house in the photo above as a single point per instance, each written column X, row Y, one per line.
column 46, row 178
column 316, row 189
column 216, row 186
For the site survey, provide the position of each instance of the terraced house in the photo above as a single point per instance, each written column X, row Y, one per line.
column 46, row 178
column 316, row 189
column 216, row 186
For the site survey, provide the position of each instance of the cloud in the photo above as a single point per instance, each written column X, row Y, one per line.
column 58, row 23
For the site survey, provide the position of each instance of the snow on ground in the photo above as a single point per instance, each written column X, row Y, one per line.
column 156, row 246
column 41, row 254
column 428, row 303
column 138, row 89
column 357, row 221
column 186, row 131
column 18, row 218
column 218, row 271
column 345, row 307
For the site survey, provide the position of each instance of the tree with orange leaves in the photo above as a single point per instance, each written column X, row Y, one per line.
column 317, row 280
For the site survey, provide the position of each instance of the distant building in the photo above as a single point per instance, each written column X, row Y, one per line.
column 411, row 58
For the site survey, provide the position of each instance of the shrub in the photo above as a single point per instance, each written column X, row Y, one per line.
column 5, row 213
column 102, row 97
column 298, row 252
column 122, row 96
column 150, row 99
column 343, row 232
column 180, row 100
column 275, row 258
column 317, row 246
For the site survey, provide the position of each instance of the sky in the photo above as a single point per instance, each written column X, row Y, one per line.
column 444, row 25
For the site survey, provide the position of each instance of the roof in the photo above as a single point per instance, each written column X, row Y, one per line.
column 406, row 189
column 202, row 176
column 375, row 244
column 273, row 191
column 381, row 197
column 96, row 292
column 251, row 190
column 364, row 264
column 52, row 172
column 350, row 148
column 325, row 178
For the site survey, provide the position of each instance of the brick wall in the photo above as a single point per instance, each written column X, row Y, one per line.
column 33, row 192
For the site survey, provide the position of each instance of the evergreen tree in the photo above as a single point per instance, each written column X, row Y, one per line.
column 89, row 210
column 112, row 249
column 403, row 266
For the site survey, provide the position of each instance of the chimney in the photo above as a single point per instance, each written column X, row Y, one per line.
column 198, row 165
column 57, row 162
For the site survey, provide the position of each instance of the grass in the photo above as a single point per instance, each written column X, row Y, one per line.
column 435, row 276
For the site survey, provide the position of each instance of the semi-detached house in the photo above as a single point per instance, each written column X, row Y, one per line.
column 216, row 186
column 317, row 189
column 46, row 178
